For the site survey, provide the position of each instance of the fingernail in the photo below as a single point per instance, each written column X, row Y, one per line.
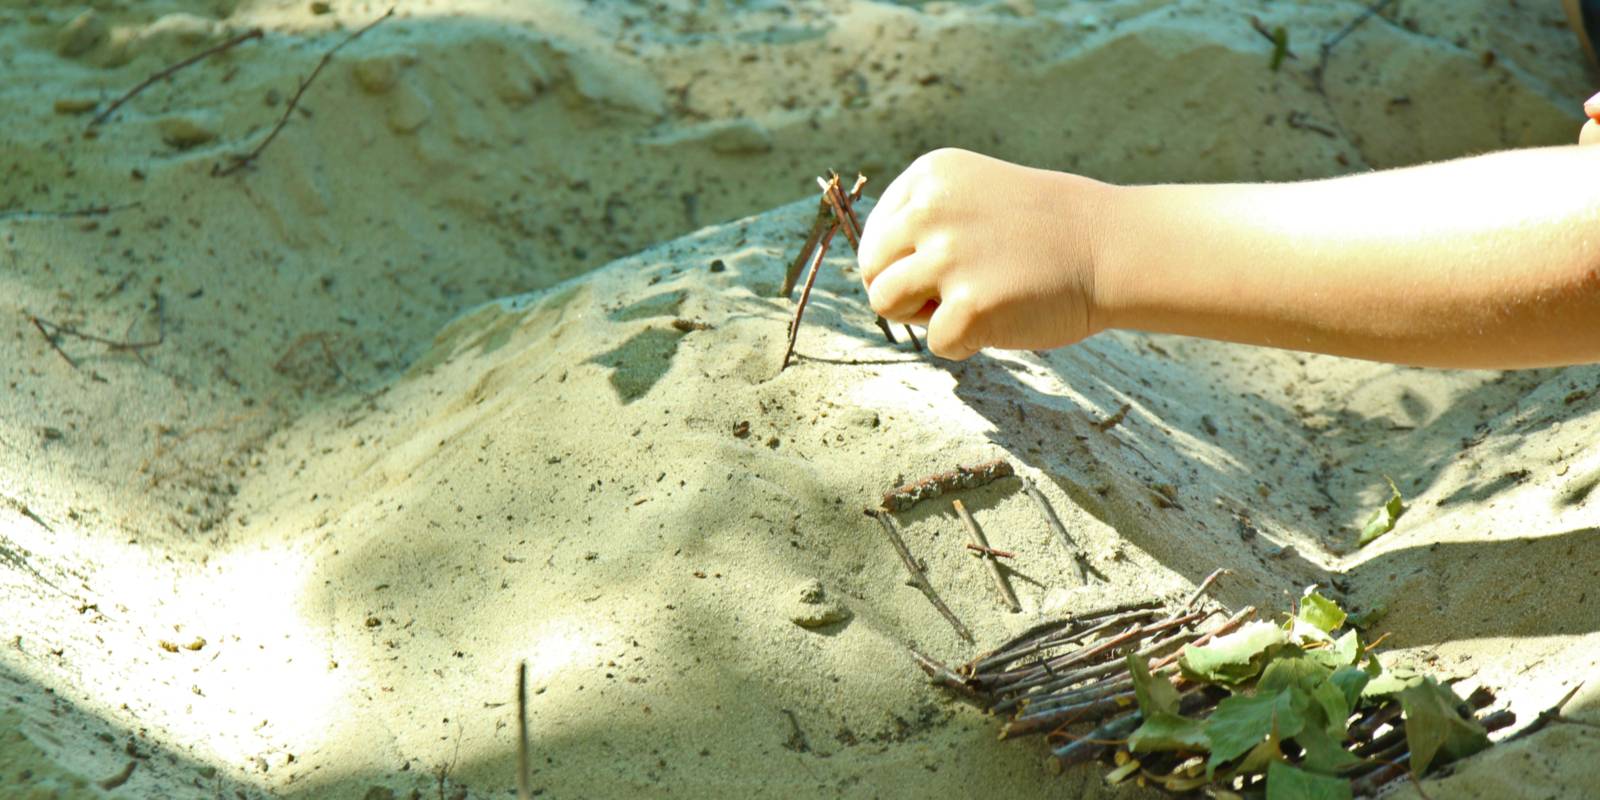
column 1591, row 107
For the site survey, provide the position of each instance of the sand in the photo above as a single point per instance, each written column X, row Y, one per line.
column 418, row 410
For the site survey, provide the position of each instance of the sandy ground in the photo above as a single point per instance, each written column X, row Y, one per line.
column 297, row 544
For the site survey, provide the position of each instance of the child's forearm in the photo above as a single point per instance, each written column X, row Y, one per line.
column 1492, row 261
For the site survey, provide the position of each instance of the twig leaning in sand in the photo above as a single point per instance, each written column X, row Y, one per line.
column 934, row 486
column 253, row 33
column 1084, row 568
column 917, row 579
column 241, row 161
column 985, row 552
column 834, row 213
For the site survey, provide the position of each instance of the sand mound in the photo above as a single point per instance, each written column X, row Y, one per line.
column 298, row 546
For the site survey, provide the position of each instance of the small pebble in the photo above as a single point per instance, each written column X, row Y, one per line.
column 184, row 132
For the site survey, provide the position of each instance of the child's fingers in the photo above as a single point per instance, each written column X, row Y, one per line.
column 884, row 240
column 901, row 290
column 952, row 331
column 1590, row 133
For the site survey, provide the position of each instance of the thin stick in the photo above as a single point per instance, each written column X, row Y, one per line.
column 240, row 162
column 934, row 486
column 982, row 545
column 1048, row 634
column 989, row 551
column 918, row 579
column 524, row 776
column 844, row 211
column 91, row 211
column 51, row 330
column 1204, row 585
column 942, row 674
column 818, row 225
column 805, row 294
column 1060, row 530
column 253, row 33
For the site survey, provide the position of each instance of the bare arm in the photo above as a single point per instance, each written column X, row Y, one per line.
column 1491, row 261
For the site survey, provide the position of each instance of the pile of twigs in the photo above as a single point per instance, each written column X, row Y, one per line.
column 1070, row 681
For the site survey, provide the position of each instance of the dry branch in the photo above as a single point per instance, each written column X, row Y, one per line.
column 253, row 33
column 242, row 161
column 982, row 545
column 918, row 579
column 943, row 483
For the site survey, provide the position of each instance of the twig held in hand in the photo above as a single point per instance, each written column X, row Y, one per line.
column 242, row 161
column 253, row 33
column 918, row 579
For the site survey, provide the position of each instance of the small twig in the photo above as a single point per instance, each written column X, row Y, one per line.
column 1333, row 41
column 805, row 293
column 524, row 775
column 1375, row 642
column 1115, row 419
column 1300, row 120
column 1061, row 530
column 241, row 161
column 118, row 779
column 981, row 544
column 90, row 211
column 1549, row 715
column 1048, row 634
column 918, row 579
column 818, row 225
column 52, row 330
column 1272, row 36
column 942, row 674
column 934, row 486
column 989, row 551
column 253, row 33
column 844, row 213
column 1205, row 585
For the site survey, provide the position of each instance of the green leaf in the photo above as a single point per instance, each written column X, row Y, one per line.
column 1388, row 683
column 1324, row 754
column 1162, row 731
column 1339, row 652
column 1350, row 680
column 1292, row 668
column 1382, row 521
column 1335, row 708
column 1155, row 693
column 1233, row 658
column 1243, row 721
column 1435, row 727
column 1321, row 612
column 1285, row 782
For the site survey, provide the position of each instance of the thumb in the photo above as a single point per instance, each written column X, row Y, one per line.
column 950, row 331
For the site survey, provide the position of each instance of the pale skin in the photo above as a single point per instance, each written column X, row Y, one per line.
column 1491, row 261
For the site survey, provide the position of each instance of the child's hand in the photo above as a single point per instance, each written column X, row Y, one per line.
column 984, row 253
column 1591, row 129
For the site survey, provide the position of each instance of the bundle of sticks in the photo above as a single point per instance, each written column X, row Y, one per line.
column 1069, row 680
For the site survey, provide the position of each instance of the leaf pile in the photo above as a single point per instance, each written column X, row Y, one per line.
column 1290, row 711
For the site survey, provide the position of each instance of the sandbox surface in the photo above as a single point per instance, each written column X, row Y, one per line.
column 415, row 396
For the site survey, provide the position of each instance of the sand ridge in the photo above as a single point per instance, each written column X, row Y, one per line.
column 369, row 488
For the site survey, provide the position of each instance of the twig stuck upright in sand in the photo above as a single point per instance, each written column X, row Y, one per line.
column 242, row 161
column 934, row 486
column 834, row 213
column 975, row 533
column 918, row 579
column 253, row 33
column 524, row 777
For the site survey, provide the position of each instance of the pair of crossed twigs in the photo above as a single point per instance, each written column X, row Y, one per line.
column 834, row 213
